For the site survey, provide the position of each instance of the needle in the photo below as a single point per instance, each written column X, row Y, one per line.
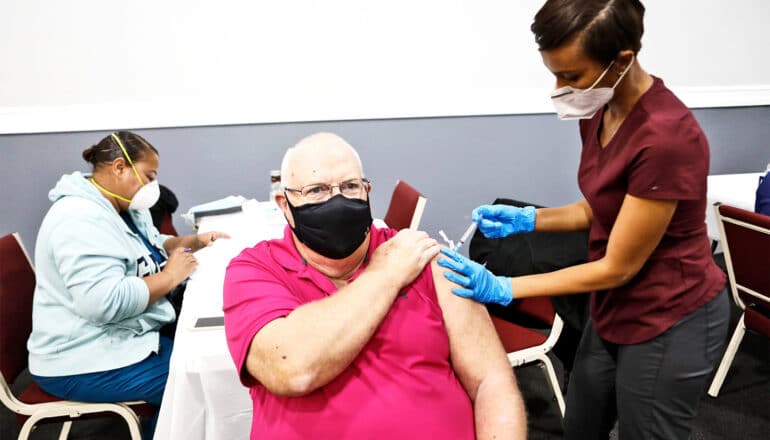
column 450, row 243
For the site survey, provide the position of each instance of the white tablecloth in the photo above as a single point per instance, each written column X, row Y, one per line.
column 737, row 190
column 204, row 398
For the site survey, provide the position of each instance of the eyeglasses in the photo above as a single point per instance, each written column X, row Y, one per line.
column 318, row 192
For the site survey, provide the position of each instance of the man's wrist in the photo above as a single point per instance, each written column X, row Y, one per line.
column 380, row 277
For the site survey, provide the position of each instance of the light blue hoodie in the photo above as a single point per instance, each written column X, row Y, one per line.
column 90, row 308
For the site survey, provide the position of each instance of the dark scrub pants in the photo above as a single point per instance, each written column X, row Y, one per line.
column 652, row 388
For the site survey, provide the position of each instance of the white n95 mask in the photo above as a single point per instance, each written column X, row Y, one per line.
column 146, row 197
column 572, row 103
column 148, row 194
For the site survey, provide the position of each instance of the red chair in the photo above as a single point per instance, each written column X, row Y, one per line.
column 745, row 238
column 526, row 346
column 166, row 225
column 33, row 405
column 406, row 207
column 163, row 209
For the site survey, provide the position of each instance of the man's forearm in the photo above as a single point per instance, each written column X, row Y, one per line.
column 499, row 410
column 317, row 341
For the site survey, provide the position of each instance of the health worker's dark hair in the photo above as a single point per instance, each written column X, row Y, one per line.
column 606, row 27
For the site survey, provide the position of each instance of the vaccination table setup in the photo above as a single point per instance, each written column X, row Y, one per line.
column 204, row 398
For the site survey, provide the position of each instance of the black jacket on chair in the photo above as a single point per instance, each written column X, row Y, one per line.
column 533, row 253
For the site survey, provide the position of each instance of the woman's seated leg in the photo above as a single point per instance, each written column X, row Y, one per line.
column 144, row 380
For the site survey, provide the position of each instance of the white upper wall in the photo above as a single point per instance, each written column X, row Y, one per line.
column 95, row 64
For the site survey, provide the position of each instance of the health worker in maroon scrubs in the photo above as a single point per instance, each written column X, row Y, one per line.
column 659, row 314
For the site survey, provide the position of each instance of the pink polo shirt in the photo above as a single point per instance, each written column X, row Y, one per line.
column 400, row 386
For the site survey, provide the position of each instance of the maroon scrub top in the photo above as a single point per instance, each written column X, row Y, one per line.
column 659, row 152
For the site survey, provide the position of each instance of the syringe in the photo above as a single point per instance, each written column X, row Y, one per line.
column 466, row 236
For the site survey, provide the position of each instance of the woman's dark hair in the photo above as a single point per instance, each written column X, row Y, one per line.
column 108, row 149
column 606, row 26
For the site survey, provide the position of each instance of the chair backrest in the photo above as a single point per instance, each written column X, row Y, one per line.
column 745, row 239
column 406, row 207
column 162, row 210
column 17, row 286
column 166, row 225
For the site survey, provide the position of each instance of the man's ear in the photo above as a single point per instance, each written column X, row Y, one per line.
column 283, row 204
column 280, row 199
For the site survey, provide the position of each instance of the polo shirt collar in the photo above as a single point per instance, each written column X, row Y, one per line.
column 285, row 253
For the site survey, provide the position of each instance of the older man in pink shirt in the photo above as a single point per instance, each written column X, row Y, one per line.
column 343, row 330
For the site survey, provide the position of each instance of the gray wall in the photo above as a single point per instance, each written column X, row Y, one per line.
column 458, row 163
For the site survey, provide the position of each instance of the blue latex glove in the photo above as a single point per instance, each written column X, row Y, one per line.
column 497, row 221
column 477, row 282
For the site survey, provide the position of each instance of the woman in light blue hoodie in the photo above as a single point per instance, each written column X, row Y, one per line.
column 103, row 275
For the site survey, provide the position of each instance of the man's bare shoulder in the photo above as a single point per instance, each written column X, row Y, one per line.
column 452, row 305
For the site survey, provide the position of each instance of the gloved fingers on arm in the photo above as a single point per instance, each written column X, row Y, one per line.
column 460, row 280
column 454, row 261
column 465, row 293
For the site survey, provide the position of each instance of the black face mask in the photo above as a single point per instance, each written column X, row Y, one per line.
column 334, row 228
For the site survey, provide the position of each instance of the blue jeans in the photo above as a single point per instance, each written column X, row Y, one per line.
column 144, row 380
